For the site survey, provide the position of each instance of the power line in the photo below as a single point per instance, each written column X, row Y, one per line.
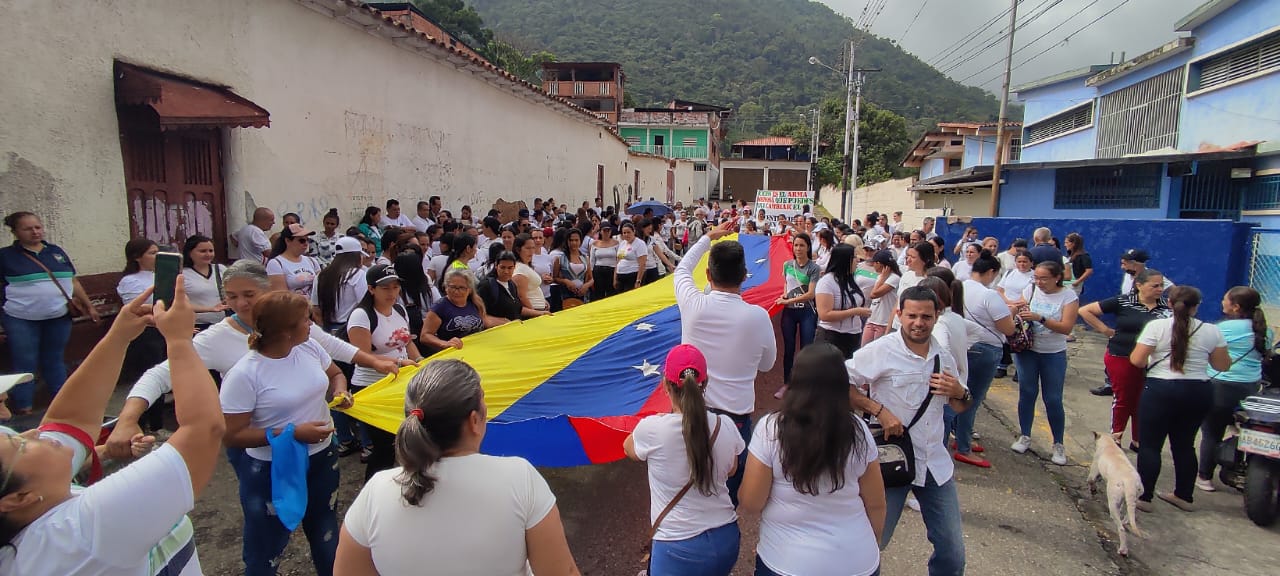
column 971, row 35
column 912, row 22
column 962, row 47
column 1033, row 41
column 1001, row 36
column 1063, row 41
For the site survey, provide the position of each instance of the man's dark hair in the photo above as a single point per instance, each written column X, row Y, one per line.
column 392, row 202
column 727, row 264
column 919, row 294
column 433, row 199
column 423, row 204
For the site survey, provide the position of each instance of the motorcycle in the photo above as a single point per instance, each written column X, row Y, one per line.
column 1251, row 459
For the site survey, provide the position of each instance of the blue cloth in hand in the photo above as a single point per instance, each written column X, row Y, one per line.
column 289, row 460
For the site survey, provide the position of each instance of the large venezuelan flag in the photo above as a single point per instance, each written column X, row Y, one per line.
column 566, row 389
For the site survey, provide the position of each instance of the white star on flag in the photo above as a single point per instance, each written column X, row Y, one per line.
column 645, row 327
column 761, row 261
column 647, row 369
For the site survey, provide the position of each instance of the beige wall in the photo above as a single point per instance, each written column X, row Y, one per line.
column 355, row 119
column 885, row 197
column 977, row 203
column 653, row 179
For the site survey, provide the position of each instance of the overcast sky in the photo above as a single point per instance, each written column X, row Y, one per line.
column 1135, row 27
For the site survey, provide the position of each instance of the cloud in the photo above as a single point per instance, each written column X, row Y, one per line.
column 1135, row 27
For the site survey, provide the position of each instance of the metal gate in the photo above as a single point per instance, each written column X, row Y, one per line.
column 173, row 181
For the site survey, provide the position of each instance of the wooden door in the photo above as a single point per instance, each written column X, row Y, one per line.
column 174, row 186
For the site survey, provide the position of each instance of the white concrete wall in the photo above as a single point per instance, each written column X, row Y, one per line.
column 977, row 203
column 355, row 119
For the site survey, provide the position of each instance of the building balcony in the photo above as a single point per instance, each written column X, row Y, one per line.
column 612, row 117
column 686, row 152
column 572, row 89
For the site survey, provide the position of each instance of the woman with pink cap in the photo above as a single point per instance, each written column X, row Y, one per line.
column 691, row 452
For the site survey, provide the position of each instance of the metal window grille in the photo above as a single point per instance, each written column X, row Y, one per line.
column 1140, row 118
column 633, row 140
column 699, row 167
column 1252, row 58
column 604, row 88
column 689, row 142
column 1077, row 117
column 1212, row 193
column 1015, row 149
column 1263, row 194
column 579, row 89
column 1107, row 187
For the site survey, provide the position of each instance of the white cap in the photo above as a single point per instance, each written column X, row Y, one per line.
column 8, row 381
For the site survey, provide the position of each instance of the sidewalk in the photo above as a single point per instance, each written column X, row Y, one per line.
column 1217, row 538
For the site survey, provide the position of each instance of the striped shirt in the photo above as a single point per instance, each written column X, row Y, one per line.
column 29, row 292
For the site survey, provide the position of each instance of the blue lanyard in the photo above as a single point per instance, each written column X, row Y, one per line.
column 247, row 328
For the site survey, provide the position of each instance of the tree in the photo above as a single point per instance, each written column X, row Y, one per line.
column 459, row 20
column 511, row 59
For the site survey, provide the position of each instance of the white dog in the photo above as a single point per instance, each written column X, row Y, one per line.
column 1123, row 485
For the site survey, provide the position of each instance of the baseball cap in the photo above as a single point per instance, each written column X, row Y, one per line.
column 296, row 230
column 685, row 357
column 380, row 274
column 1136, row 255
column 524, row 213
column 8, row 381
column 347, row 244
column 883, row 257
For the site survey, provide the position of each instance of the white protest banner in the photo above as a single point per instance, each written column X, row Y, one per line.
column 785, row 202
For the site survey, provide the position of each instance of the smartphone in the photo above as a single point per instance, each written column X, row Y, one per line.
column 937, row 360
column 168, row 266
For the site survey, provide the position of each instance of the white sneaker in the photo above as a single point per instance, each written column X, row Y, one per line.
column 1021, row 445
column 1059, row 455
column 912, row 503
column 975, row 435
column 1205, row 485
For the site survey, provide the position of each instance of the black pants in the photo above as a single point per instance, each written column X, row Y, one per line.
column 415, row 322
column 847, row 343
column 1171, row 409
column 147, row 350
column 1226, row 400
column 743, row 424
column 650, row 276
column 626, row 281
column 603, row 287
column 382, row 456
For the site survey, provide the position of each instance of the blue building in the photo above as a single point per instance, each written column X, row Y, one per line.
column 1188, row 130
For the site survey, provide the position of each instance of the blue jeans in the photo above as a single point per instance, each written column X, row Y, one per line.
column 36, row 346
column 743, row 423
column 983, row 359
column 264, row 537
column 1047, row 374
column 711, row 553
column 940, row 507
column 806, row 321
column 762, row 570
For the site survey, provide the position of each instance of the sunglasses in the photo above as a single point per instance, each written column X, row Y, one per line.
column 301, row 240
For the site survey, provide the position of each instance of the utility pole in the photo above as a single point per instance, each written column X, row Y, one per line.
column 998, row 165
column 814, row 148
column 857, row 121
column 844, row 162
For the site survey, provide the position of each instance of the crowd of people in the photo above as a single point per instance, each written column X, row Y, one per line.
column 890, row 336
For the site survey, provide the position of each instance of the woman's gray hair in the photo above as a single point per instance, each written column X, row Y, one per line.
column 248, row 270
column 463, row 273
column 438, row 402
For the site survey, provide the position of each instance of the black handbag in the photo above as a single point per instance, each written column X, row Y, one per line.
column 897, row 455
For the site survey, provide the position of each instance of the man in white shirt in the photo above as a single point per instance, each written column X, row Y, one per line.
column 927, row 228
column 393, row 217
column 1133, row 261
column 898, row 368
column 251, row 241
column 423, row 219
column 736, row 337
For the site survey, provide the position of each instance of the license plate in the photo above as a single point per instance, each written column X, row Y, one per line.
column 1261, row 443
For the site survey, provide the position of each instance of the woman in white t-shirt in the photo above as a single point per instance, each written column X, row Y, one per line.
column 988, row 310
column 822, row 504
column 204, row 280
column 691, row 453
column 283, row 387
column 340, row 286
column 841, row 303
column 387, row 337
column 884, row 296
column 1177, row 353
column 289, row 266
column 633, row 255
column 447, row 506
column 1016, row 281
column 964, row 265
column 133, row 522
column 529, row 281
column 148, row 349
column 1051, row 309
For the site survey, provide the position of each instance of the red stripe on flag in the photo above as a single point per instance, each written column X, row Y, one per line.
column 602, row 437
column 764, row 295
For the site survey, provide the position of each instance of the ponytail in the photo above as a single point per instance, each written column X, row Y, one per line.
column 955, row 285
column 697, row 435
column 439, row 402
column 1183, row 300
column 1250, row 303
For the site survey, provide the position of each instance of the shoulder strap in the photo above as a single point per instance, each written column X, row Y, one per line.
column 217, row 279
column 919, row 411
column 685, row 490
column 1166, row 356
column 95, row 463
column 51, row 276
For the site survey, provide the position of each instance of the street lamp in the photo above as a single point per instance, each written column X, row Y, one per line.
column 849, row 114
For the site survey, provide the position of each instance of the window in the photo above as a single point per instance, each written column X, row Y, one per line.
column 1141, row 117
column 1107, row 187
column 1258, row 57
column 1015, row 149
column 1073, row 119
column 1263, row 193
column 632, row 140
column 604, row 88
column 700, row 167
column 689, row 142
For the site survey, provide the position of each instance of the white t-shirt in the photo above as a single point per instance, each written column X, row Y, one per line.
column 629, row 254
column 882, row 308
column 421, row 224
column 840, row 301
column 953, row 332
column 961, row 269
column 659, row 440
column 401, row 221
column 1015, row 282
column 132, row 523
column 985, row 306
column 289, row 390
column 435, row 266
column 298, row 276
column 135, row 284
column 1008, row 262
column 251, row 242
column 390, row 340
column 1050, row 306
column 349, row 294
column 205, row 292
column 473, row 521
column 827, row 534
column 1158, row 334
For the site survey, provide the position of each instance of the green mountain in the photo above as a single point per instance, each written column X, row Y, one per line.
column 751, row 55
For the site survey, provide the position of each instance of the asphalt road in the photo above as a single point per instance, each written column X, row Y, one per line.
column 1023, row 516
